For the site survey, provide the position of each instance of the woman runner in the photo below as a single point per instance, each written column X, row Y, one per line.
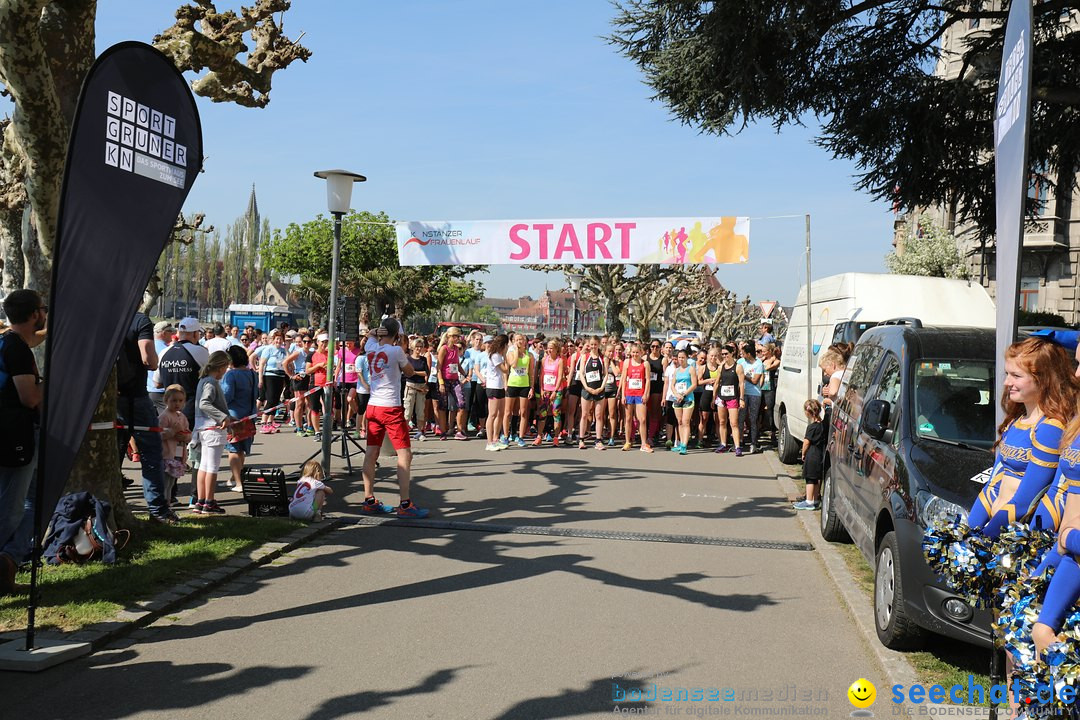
column 634, row 390
column 552, row 381
column 495, row 384
column 728, row 400
column 519, row 390
column 592, row 373
column 681, row 386
column 708, row 373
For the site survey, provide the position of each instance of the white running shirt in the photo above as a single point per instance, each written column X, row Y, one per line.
column 493, row 377
column 384, row 365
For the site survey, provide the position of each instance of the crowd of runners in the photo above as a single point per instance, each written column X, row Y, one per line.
column 519, row 390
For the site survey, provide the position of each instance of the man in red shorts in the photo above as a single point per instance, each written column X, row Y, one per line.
column 387, row 362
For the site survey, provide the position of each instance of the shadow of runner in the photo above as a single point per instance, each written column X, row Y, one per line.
column 344, row 705
column 501, row 569
column 107, row 691
column 598, row 696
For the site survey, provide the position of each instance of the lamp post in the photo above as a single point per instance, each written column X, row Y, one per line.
column 339, row 184
column 574, row 278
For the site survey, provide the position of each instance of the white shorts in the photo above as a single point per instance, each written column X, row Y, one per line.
column 305, row 511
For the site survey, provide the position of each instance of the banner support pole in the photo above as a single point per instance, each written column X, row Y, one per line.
column 809, row 320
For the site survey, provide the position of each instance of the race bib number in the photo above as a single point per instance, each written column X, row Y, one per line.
column 592, row 377
column 520, row 371
column 727, row 391
column 682, row 386
column 635, row 383
column 350, row 368
column 655, row 377
column 452, row 368
column 549, row 380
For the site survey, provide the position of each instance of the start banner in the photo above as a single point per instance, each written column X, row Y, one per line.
column 638, row 241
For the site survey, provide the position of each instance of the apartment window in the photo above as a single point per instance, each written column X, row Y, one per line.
column 1029, row 294
column 1039, row 191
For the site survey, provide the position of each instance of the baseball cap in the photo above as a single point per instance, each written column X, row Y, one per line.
column 683, row 345
column 488, row 338
column 323, row 337
column 290, row 333
column 188, row 324
column 539, row 336
column 162, row 326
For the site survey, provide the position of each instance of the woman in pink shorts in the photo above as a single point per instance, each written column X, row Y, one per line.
column 729, row 398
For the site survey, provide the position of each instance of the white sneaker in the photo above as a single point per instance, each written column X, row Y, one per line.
column 420, row 437
column 491, row 447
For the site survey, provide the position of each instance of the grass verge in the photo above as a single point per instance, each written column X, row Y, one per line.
column 157, row 558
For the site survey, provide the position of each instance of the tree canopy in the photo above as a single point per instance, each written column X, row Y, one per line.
column 369, row 266
column 865, row 69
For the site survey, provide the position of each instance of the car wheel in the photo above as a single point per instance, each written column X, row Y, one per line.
column 786, row 447
column 832, row 530
column 894, row 628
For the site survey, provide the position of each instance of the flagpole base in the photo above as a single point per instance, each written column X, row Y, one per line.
column 14, row 655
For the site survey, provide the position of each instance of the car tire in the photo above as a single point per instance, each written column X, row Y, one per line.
column 786, row 447
column 894, row 628
column 832, row 530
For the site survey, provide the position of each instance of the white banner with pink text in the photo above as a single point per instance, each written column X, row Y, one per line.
column 639, row 241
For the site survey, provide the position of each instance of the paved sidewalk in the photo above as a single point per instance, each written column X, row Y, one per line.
column 393, row 621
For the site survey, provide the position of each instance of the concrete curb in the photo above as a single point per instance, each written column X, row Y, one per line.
column 897, row 669
column 144, row 612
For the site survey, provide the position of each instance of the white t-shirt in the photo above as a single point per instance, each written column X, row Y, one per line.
column 218, row 343
column 493, row 376
column 302, row 505
column 385, row 363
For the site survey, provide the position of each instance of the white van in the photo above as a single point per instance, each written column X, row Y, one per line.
column 843, row 307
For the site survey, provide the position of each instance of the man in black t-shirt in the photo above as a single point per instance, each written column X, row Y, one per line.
column 20, row 396
column 135, row 409
column 181, row 364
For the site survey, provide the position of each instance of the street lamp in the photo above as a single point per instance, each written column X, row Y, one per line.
column 339, row 185
column 574, row 278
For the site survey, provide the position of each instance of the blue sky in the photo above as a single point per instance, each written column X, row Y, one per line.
column 486, row 109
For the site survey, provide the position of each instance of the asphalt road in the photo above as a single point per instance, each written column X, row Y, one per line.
column 392, row 621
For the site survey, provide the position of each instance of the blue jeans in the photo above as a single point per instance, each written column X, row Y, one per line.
column 20, row 545
column 140, row 411
column 15, row 496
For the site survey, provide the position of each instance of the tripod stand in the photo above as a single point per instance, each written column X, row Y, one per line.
column 336, row 393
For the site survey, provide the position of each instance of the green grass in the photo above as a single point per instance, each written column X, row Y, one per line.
column 158, row 557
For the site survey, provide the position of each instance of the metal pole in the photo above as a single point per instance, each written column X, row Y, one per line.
column 809, row 320
column 573, row 323
column 328, row 393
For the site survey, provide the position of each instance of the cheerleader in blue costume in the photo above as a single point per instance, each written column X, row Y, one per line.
column 1037, row 547
column 1039, row 396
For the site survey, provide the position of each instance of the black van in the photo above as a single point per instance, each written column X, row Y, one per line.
column 912, row 434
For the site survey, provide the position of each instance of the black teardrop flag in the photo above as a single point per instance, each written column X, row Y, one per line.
column 135, row 150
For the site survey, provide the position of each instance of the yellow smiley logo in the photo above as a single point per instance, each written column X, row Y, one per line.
column 862, row 693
